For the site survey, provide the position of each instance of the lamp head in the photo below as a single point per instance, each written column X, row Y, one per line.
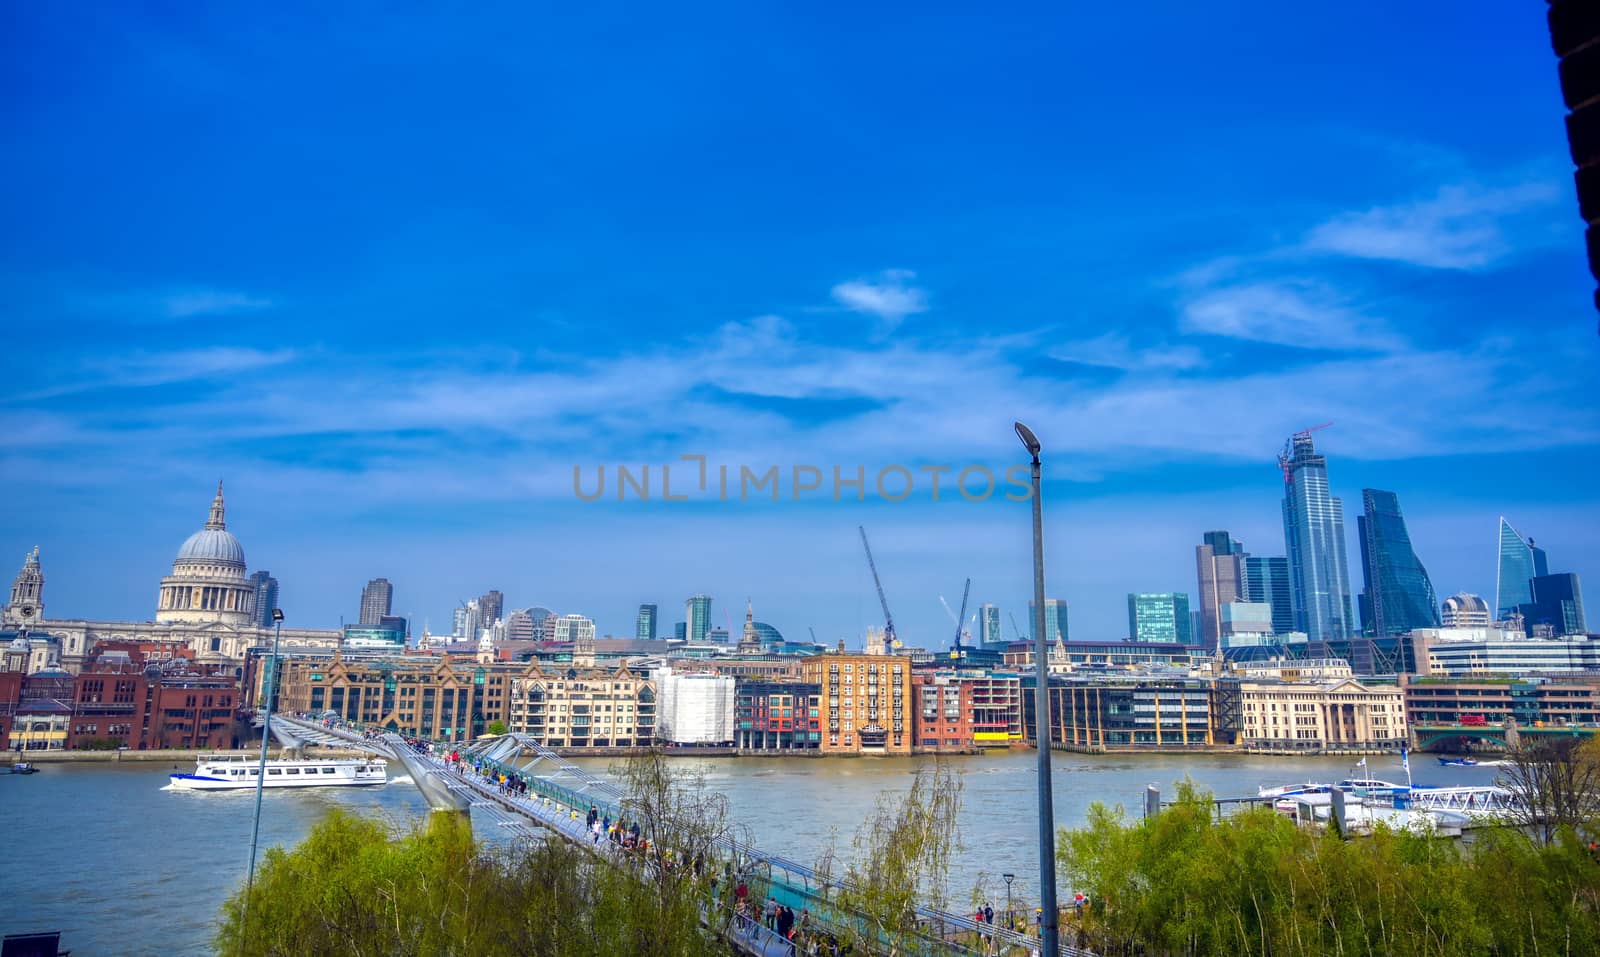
column 1029, row 440
column 277, row 614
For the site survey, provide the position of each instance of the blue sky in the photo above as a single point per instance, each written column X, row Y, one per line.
column 394, row 277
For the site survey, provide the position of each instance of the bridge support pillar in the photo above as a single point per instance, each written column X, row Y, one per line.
column 1513, row 736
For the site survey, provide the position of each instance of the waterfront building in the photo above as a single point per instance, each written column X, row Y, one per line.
column 777, row 715
column 1531, row 702
column 989, row 625
column 1462, row 610
column 1266, row 580
column 694, row 708
column 645, row 625
column 1398, row 596
column 1313, row 532
column 584, row 708
column 1116, row 711
column 1321, row 716
column 1220, row 564
column 10, row 698
column 207, row 605
column 864, row 701
column 697, row 618
column 43, row 716
column 1558, row 603
column 1461, row 652
column 942, row 714
column 1055, row 619
column 377, row 600
column 1520, row 563
column 996, row 698
column 492, row 606
column 1160, row 617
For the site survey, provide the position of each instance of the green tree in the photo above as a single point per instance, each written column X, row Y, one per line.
column 496, row 727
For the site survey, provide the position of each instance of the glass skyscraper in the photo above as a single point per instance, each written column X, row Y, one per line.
column 989, row 625
column 1159, row 616
column 1399, row 596
column 1557, row 602
column 1520, row 563
column 1313, row 534
column 1267, row 580
column 697, row 618
column 266, row 589
column 1055, row 619
column 1219, row 562
column 645, row 629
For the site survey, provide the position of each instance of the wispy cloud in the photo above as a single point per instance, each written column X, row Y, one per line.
column 1461, row 227
column 210, row 302
column 1302, row 313
column 889, row 296
column 144, row 369
column 1113, row 350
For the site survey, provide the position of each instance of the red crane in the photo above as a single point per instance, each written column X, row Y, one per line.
column 1287, row 455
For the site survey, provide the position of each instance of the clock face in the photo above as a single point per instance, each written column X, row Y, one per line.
column 27, row 611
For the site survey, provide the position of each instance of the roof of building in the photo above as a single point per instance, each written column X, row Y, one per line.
column 214, row 543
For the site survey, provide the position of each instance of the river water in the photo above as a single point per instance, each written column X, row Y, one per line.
column 120, row 866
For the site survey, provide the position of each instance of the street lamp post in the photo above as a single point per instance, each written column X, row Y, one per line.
column 1011, row 918
column 1049, row 939
column 266, row 735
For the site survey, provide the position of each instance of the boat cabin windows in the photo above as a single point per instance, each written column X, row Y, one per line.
column 327, row 770
column 291, row 770
column 274, row 770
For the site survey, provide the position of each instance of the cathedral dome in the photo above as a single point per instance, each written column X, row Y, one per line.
column 213, row 544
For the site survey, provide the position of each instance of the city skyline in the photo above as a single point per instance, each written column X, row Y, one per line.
column 396, row 304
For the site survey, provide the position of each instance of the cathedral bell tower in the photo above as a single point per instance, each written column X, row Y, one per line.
column 26, row 607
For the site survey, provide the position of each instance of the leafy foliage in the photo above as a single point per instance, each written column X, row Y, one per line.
column 1185, row 883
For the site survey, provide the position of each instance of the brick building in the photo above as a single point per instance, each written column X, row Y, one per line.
column 777, row 716
column 864, row 701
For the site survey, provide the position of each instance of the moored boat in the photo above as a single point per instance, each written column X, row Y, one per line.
column 221, row 772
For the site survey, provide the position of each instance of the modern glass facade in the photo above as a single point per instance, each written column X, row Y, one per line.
column 989, row 625
column 1267, row 580
column 697, row 618
column 645, row 630
column 266, row 589
column 1055, row 619
column 1557, row 602
column 1313, row 533
column 1159, row 616
column 1520, row 563
column 1399, row 596
column 1219, row 562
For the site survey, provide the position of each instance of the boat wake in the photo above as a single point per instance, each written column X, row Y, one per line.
column 400, row 779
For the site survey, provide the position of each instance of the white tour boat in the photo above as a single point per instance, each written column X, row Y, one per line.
column 223, row 772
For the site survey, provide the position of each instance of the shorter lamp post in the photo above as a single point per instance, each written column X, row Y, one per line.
column 271, row 688
column 1011, row 920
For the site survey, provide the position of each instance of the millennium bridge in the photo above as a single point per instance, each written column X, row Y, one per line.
column 559, row 794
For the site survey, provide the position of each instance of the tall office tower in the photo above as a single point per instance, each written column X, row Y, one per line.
column 1220, row 562
column 377, row 600
column 1557, row 602
column 697, row 618
column 680, row 631
column 646, row 628
column 989, row 625
column 1055, row 618
column 468, row 621
column 574, row 628
column 1313, row 534
column 1520, row 563
column 492, row 604
column 1398, row 596
column 1266, row 580
column 266, row 591
column 1159, row 616
column 520, row 626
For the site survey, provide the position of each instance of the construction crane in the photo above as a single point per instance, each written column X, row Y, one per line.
column 1286, row 457
column 813, row 634
column 1014, row 629
column 889, row 639
column 966, row 590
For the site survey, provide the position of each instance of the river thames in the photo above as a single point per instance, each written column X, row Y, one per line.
column 120, row 866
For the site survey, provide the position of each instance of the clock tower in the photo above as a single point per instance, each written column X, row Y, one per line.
column 26, row 607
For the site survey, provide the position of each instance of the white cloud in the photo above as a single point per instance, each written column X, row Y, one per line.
column 210, row 302
column 1113, row 350
column 1462, row 227
column 889, row 296
column 1289, row 312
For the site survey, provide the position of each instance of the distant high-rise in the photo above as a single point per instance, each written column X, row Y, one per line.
column 1159, row 616
column 574, row 628
column 1220, row 563
column 266, row 592
column 468, row 621
column 377, row 600
column 680, row 631
column 1399, row 596
column 1557, row 602
column 493, row 606
column 520, row 626
column 1313, row 534
column 989, row 625
column 1266, row 580
column 1520, row 563
column 645, row 629
column 1055, row 619
column 697, row 618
